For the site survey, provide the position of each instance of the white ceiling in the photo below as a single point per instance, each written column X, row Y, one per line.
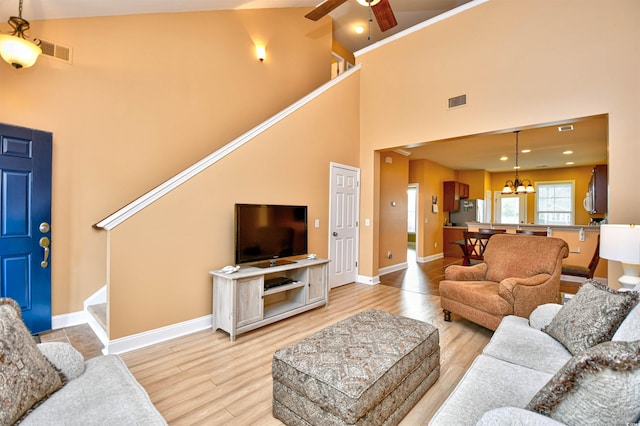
column 345, row 17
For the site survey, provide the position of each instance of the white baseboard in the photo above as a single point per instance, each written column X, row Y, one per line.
column 392, row 268
column 96, row 298
column 430, row 258
column 363, row 279
column 147, row 338
column 69, row 320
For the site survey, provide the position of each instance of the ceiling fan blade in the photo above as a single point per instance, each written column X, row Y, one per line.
column 323, row 9
column 384, row 15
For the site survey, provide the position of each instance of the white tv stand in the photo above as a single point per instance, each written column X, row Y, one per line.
column 241, row 303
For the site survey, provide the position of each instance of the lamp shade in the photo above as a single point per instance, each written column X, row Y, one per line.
column 620, row 242
column 18, row 52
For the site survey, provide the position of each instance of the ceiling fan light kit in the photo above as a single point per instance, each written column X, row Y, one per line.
column 518, row 186
column 15, row 48
column 381, row 10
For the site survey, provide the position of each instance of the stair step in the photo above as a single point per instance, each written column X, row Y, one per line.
column 99, row 312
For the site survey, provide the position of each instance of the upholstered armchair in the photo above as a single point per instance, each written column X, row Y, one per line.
column 519, row 273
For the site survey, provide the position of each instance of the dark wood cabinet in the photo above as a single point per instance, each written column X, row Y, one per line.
column 449, row 236
column 598, row 189
column 453, row 193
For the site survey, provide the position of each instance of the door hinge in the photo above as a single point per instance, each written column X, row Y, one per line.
column 356, row 263
column 357, row 223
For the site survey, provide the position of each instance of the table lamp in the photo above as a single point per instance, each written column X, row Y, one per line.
column 622, row 243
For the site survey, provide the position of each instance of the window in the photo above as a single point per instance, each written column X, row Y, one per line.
column 555, row 203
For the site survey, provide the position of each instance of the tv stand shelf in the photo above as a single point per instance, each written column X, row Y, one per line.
column 241, row 303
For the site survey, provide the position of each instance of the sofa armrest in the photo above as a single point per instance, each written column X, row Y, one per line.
column 465, row 273
column 543, row 315
column 64, row 357
column 515, row 416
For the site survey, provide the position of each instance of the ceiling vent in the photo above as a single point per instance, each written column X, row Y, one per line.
column 457, row 101
column 56, row 51
column 566, row 128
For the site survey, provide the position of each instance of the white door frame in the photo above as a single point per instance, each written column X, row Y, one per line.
column 332, row 191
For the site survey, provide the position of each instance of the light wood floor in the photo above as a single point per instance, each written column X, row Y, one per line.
column 204, row 378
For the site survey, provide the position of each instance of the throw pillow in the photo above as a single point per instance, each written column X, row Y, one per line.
column 596, row 387
column 590, row 317
column 26, row 376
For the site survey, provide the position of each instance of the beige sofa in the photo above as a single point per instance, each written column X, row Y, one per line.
column 51, row 384
column 524, row 376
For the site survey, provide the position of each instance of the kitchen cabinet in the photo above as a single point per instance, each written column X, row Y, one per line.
column 449, row 236
column 452, row 194
column 598, row 189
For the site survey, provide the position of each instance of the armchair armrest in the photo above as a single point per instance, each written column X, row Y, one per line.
column 507, row 287
column 465, row 273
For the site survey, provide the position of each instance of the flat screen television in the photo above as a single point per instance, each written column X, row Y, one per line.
column 267, row 232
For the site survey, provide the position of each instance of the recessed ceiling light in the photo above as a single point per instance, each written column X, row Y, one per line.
column 516, row 167
column 567, row 152
column 525, row 151
column 359, row 28
column 569, row 163
column 504, row 158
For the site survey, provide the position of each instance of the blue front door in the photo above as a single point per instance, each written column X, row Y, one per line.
column 25, row 222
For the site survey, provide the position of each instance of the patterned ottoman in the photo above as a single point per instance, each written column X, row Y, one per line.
column 369, row 369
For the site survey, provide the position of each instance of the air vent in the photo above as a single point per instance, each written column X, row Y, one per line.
column 458, row 101
column 56, row 51
column 566, row 128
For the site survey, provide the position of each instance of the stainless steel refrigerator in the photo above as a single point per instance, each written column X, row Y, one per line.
column 470, row 211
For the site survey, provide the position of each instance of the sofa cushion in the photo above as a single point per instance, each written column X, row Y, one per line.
column 629, row 330
column 592, row 316
column 516, row 342
column 106, row 393
column 26, row 376
column 515, row 416
column 489, row 383
column 598, row 386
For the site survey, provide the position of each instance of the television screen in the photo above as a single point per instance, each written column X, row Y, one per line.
column 269, row 232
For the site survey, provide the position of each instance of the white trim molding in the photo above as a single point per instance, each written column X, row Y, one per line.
column 147, row 338
column 392, row 268
column 430, row 258
column 363, row 279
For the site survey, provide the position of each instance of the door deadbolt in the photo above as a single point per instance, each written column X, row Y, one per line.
column 335, row 234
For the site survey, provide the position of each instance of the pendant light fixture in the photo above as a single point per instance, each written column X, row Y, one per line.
column 15, row 48
column 518, row 186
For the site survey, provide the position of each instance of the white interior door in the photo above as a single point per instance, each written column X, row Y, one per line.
column 343, row 226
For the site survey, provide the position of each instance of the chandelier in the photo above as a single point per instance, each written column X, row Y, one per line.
column 15, row 48
column 518, row 186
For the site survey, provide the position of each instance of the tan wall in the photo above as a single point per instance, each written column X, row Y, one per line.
column 394, row 181
column 475, row 179
column 512, row 60
column 430, row 176
column 145, row 97
column 160, row 257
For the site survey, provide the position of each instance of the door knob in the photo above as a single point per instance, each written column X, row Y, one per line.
column 44, row 243
column 335, row 234
column 44, row 227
